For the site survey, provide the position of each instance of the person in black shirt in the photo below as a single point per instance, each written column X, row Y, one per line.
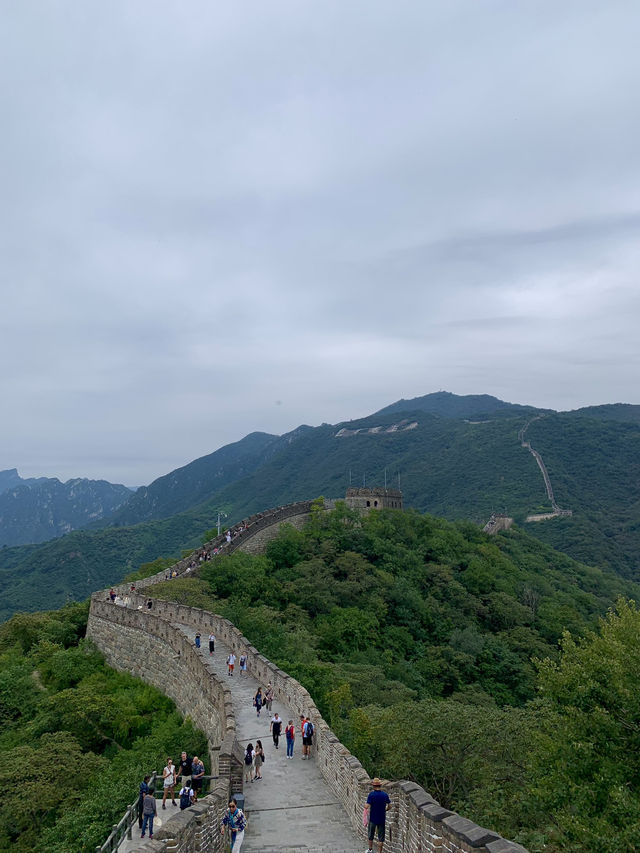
column 184, row 768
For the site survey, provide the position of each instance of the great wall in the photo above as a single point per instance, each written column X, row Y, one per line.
column 556, row 512
column 156, row 644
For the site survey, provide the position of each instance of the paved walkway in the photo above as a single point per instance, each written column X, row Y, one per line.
column 292, row 809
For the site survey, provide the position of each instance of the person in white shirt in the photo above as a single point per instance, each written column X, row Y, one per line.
column 276, row 728
column 169, row 783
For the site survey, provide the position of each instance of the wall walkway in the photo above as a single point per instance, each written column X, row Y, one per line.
column 295, row 808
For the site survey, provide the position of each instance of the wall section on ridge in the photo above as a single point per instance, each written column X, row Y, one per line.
column 417, row 823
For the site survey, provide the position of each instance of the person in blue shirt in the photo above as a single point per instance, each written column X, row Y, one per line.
column 236, row 821
column 378, row 804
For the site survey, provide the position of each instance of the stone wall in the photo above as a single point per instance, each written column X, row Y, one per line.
column 261, row 527
column 152, row 649
column 419, row 824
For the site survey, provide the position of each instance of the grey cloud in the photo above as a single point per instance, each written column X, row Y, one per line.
column 207, row 212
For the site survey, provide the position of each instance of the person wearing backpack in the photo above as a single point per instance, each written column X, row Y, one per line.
column 186, row 795
column 290, row 733
column 249, row 763
column 307, row 737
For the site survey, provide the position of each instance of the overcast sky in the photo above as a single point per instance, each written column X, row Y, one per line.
column 225, row 217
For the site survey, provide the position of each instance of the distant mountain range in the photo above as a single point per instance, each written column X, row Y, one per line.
column 457, row 457
column 37, row 509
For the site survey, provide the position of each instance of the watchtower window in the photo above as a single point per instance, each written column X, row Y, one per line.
column 368, row 503
column 375, row 503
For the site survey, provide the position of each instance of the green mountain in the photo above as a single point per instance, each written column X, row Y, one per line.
column 462, row 466
column 36, row 510
column 454, row 406
column 197, row 481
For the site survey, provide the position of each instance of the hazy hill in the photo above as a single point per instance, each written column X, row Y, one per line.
column 197, row 481
column 457, row 467
column 454, row 406
column 36, row 510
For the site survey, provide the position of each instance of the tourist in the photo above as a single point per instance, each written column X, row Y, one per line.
column 197, row 639
column 212, row 643
column 257, row 701
column 275, row 727
column 186, row 795
column 243, row 663
column 112, row 594
column 249, row 763
column 268, row 697
column 169, row 783
column 290, row 734
column 197, row 777
column 378, row 804
column 307, row 737
column 185, row 767
column 231, row 662
column 149, row 811
column 259, row 759
column 236, row 821
column 144, row 788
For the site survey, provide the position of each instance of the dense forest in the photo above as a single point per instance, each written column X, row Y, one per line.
column 76, row 737
column 432, row 651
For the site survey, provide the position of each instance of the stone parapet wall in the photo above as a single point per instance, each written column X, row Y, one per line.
column 417, row 823
column 263, row 526
column 152, row 649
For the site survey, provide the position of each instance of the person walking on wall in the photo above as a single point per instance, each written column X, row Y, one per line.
column 257, row 701
column 169, row 783
column 276, row 728
column 268, row 697
column 259, row 759
column 290, row 733
column 231, row 662
column 236, row 821
column 212, row 643
column 197, row 639
column 243, row 663
column 149, row 811
column 378, row 804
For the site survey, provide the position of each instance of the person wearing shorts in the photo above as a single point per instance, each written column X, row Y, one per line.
column 197, row 774
column 378, row 804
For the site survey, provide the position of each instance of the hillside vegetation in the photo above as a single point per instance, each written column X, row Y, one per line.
column 76, row 737
column 462, row 459
column 432, row 651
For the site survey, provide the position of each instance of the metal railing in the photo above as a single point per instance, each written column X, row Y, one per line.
column 123, row 829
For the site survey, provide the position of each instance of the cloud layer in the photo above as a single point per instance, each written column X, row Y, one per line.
column 218, row 218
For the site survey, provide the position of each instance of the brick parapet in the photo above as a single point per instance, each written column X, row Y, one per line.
column 250, row 528
column 417, row 823
column 151, row 648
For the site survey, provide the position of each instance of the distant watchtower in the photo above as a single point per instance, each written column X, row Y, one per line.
column 366, row 498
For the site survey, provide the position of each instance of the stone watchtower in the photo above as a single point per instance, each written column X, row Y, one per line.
column 365, row 499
